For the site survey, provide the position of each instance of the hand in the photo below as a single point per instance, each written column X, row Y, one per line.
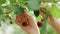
column 29, row 25
column 52, row 20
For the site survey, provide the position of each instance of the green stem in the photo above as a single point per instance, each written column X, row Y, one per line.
column 44, row 27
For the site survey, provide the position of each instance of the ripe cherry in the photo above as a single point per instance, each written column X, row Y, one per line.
column 39, row 24
column 24, row 23
column 10, row 22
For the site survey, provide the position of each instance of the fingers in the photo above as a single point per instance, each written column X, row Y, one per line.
column 26, row 15
column 32, row 25
column 18, row 18
column 42, row 11
column 19, row 21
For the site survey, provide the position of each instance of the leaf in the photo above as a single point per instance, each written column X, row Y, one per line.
column 1, row 10
column 21, row 1
column 2, row 1
column 55, row 10
column 44, row 27
column 17, row 1
column 0, row 24
column 12, row 1
column 36, row 13
column 33, row 4
column 47, row 9
column 17, row 9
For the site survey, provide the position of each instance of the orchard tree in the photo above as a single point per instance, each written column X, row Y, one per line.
column 30, row 15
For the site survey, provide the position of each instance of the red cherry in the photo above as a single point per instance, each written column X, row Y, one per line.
column 39, row 24
column 25, row 24
column 10, row 22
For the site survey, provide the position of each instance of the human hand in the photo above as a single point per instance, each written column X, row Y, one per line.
column 27, row 23
column 51, row 19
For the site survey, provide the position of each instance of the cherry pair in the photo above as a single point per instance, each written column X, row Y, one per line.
column 38, row 23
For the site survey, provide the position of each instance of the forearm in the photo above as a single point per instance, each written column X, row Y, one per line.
column 53, row 21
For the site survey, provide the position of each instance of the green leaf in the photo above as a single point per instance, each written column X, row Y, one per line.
column 21, row 1
column 33, row 4
column 12, row 1
column 17, row 1
column 2, row 1
column 44, row 27
column 1, row 10
column 47, row 9
column 55, row 10
column 17, row 9
column 0, row 24
column 36, row 13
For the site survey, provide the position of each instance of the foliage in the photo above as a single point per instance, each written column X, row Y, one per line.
column 18, row 6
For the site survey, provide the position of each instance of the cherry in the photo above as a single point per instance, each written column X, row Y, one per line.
column 10, row 22
column 39, row 24
column 24, row 23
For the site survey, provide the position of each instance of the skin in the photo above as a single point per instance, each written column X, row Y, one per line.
column 32, row 28
column 52, row 20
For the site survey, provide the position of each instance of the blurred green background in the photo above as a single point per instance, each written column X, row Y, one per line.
column 7, row 28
